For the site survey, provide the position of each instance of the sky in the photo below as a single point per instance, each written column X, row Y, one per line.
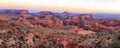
column 64, row 5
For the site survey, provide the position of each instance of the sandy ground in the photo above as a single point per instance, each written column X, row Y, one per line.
column 84, row 32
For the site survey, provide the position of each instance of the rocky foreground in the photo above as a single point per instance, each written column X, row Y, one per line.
column 49, row 30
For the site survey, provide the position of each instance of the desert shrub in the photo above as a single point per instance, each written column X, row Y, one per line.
column 42, row 46
column 67, row 28
column 116, row 44
column 59, row 46
column 118, row 37
column 98, row 45
column 36, row 37
column 110, row 32
column 27, row 28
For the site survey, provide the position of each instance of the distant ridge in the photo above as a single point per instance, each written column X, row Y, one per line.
column 95, row 14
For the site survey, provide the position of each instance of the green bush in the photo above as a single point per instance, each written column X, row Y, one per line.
column 116, row 44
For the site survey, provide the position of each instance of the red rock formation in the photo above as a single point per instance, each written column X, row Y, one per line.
column 99, row 26
column 86, row 16
column 70, row 22
column 47, row 21
column 24, row 12
column 2, row 18
column 21, row 21
column 74, row 20
column 81, row 17
column 84, row 21
column 110, row 22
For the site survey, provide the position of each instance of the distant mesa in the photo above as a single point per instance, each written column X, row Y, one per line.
column 17, row 12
